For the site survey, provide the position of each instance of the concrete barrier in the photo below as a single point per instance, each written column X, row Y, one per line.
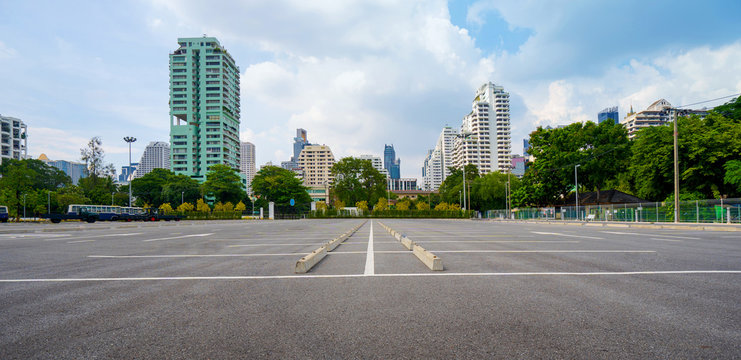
column 431, row 260
column 409, row 244
column 307, row 262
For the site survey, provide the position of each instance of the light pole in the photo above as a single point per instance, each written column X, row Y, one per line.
column 24, row 206
column 464, row 136
column 48, row 204
column 576, row 189
column 112, row 199
column 182, row 197
column 129, row 140
column 676, row 169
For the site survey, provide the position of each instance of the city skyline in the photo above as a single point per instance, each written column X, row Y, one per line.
column 370, row 87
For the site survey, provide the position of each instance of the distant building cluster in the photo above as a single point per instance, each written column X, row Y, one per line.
column 205, row 119
column 483, row 140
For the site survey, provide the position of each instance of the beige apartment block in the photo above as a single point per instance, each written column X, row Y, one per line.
column 316, row 162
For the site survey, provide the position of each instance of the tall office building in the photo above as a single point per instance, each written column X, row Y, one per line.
column 299, row 142
column 439, row 160
column 156, row 156
column 316, row 161
column 658, row 113
column 609, row 113
column 390, row 162
column 204, row 107
column 127, row 173
column 247, row 163
column 13, row 138
column 488, row 145
column 74, row 170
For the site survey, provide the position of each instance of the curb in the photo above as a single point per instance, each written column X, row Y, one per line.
column 432, row 261
column 304, row 264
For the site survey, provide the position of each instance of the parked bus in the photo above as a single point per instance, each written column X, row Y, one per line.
column 107, row 212
column 4, row 214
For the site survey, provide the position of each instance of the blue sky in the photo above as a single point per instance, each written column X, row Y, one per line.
column 357, row 74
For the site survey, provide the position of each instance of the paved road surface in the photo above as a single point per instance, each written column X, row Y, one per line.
column 227, row 290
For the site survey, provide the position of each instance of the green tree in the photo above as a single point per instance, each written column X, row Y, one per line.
column 423, row 206
column 442, row 206
column 733, row 174
column 181, row 188
column 381, row 205
column 224, row 183
column 357, row 180
column 705, row 146
column 21, row 177
column 240, row 206
column 148, row 188
column 730, row 110
column 362, row 205
column 94, row 158
column 489, row 191
column 602, row 151
column 201, row 206
column 98, row 189
column 279, row 185
column 451, row 190
column 185, row 207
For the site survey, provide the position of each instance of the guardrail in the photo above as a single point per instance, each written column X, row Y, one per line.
column 719, row 211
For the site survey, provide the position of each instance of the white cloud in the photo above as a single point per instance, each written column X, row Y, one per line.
column 7, row 52
column 357, row 74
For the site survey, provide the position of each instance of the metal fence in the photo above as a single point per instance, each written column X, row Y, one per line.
column 723, row 211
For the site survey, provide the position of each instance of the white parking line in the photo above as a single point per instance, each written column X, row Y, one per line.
column 259, row 245
column 369, row 258
column 644, row 234
column 94, row 236
column 467, row 236
column 427, row 274
column 177, row 237
column 545, row 251
column 673, row 240
column 567, row 235
column 79, row 241
column 504, row 241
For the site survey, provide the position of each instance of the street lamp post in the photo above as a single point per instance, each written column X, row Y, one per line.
column 676, row 169
column 464, row 136
column 112, row 199
column 129, row 140
column 576, row 189
column 182, row 197
column 24, row 206
column 48, row 204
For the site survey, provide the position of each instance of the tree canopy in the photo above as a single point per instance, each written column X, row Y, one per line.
column 279, row 185
column 357, row 180
column 224, row 183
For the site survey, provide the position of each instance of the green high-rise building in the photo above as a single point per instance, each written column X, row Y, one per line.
column 204, row 107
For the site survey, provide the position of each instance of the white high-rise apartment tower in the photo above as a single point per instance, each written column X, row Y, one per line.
column 156, row 156
column 439, row 160
column 247, row 163
column 489, row 144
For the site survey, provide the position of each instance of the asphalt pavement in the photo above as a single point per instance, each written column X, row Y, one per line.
column 227, row 289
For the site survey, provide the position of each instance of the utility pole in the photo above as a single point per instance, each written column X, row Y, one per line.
column 676, row 169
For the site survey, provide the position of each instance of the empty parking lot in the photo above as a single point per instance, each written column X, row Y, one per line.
column 228, row 289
